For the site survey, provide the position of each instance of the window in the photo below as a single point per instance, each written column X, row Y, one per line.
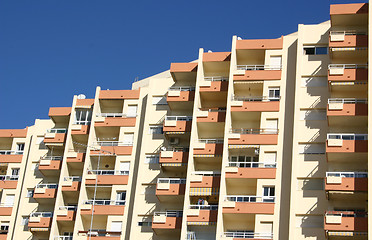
column 15, row 171
column 158, row 129
column 159, row 100
column 315, row 50
column 83, row 116
column 4, row 227
column 132, row 111
column 268, row 194
column 120, row 198
column 152, row 159
column 30, row 193
column 274, row 94
column 128, row 139
column 20, row 147
column 24, row 221
column 116, row 226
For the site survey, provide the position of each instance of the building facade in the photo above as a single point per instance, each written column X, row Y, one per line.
column 267, row 141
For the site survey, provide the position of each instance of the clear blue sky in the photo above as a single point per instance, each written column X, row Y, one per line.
column 53, row 49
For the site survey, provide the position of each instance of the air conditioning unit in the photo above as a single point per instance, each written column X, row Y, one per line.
column 174, row 141
column 257, row 151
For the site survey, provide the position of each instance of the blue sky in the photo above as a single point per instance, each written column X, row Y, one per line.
column 53, row 49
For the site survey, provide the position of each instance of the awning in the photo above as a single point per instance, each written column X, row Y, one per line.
column 243, row 146
column 340, row 49
column 201, row 223
column 174, row 133
column 347, row 234
column 204, row 191
column 348, row 83
column 3, row 164
column 206, row 155
column 39, row 229
column 173, row 164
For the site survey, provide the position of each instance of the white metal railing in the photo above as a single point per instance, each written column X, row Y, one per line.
column 68, row 208
column 248, row 234
column 6, row 205
column 9, row 177
column 204, row 207
column 347, row 66
column 178, row 118
column 247, row 198
column 186, row 89
column 172, row 180
column 252, row 165
column 347, row 100
column 212, row 109
column 57, row 158
column 254, row 130
column 72, row 178
column 63, row 238
column 207, row 173
column 9, row 152
column 82, row 122
column 41, row 214
column 57, row 130
column 104, row 202
column 255, row 99
column 175, row 149
column 47, row 185
column 108, row 172
column 347, row 174
column 113, row 115
column 113, row 143
column 259, row 67
column 347, row 136
column 347, row 213
column 216, row 78
column 102, row 233
column 347, row 32
column 169, row 213
column 214, row 141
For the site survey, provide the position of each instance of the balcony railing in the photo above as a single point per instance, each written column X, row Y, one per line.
column 347, row 136
column 258, row 67
column 255, row 199
column 204, row 207
column 211, row 141
column 346, row 32
column 6, row 205
column 63, row 238
column 254, row 131
column 255, row 99
column 113, row 143
column 347, row 100
column 347, row 66
column 48, row 186
column 104, row 202
column 108, row 172
column 53, row 158
column 172, row 180
column 175, row 149
column 347, row 213
column 248, row 234
column 178, row 118
column 206, row 173
column 72, row 178
column 182, row 89
column 169, row 213
column 216, row 79
column 113, row 115
column 212, row 109
column 82, row 122
column 347, row 174
column 9, row 177
column 102, row 233
column 251, row 165
column 9, row 152
column 57, row 130
column 42, row 214
column 68, row 208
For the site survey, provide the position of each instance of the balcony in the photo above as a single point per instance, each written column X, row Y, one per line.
column 50, row 163
column 347, row 72
column 119, row 94
column 180, row 94
column 177, row 124
column 249, row 204
column 60, row 114
column 214, row 84
column 112, row 148
column 349, row 221
column 258, row 72
column 55, row 137
column 40, row 220
column 3, row 234
column 6, row 209
column 174, row 155
column 71, row 184
column 45, row 191
column 114, row 120
column 255, row 104
column 344, row 14
column 346, row 181
column 103, row 207
column 216, row 57
column 247, row 234
column 167, row 220
column 262, row 136
column 347, row 143
column 107, row 177
column 348, row 39
column 66, row 213
column 202, row 213
column 255, row 44
column 8, row 181
column 211, row 115
column 208, row 147
column 248, row 169
column 185, row 72
column 100, row 234
column 170, row 186
column 13, row 133
column 347, row 107
column 80, row 129
column 75, row 157
column 7, row 156
column 205, row 179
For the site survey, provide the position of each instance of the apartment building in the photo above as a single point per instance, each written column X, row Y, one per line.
column 266, row 141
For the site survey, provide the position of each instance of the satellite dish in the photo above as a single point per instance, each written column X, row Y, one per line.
column 239, row 38
column 209, row 51
column 81, row 96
